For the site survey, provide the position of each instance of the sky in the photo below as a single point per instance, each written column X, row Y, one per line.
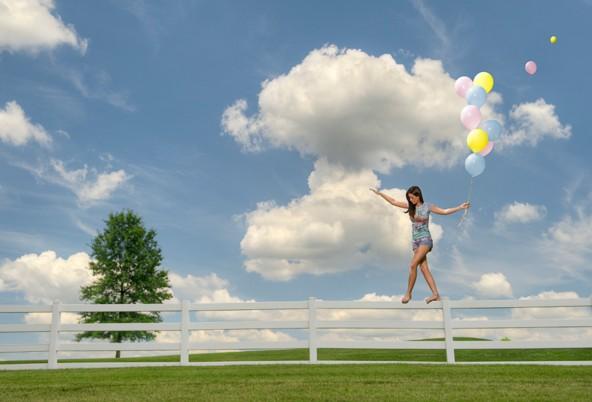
column 248, row 134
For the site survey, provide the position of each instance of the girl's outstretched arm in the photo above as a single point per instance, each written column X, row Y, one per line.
column 448, row 211
column 390, row 199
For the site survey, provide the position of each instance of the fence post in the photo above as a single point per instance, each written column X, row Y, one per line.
column 185, row 319
column 312, row 330
column 52, row 359
column 448, row 336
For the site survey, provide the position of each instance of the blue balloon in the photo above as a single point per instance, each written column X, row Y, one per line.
column 475, row 164
column 493, row 129
column 476, row 96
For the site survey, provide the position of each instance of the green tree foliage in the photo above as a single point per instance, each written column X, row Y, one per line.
column 125, row 265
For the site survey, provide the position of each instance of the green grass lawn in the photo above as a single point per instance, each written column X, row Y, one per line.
column 314, row 383
column 302, row 383
column 358, row 354
column 421, row 355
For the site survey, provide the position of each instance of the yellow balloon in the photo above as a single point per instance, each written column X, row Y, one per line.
column 553, row 39
column 484, row 80
column 477, row 140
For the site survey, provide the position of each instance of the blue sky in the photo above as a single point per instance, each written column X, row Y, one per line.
column 247, row 134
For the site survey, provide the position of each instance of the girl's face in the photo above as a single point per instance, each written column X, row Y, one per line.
column 413, row 198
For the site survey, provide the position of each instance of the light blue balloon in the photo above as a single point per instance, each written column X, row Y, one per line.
column 476, row 96
column 493, row 129
column 475, row 164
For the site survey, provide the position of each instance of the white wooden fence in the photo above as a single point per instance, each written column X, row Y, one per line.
column 312, row 325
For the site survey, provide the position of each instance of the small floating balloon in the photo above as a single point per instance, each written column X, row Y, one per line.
column 475, row 164
column 485, row 80
column 553, row 39
column 488, row 148
column 477, row 140
column 476, row 96
column 530, row 67
column 493, row 129
column 462, row 85
column 470, row 117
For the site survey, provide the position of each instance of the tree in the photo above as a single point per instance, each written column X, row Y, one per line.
column 125, row 264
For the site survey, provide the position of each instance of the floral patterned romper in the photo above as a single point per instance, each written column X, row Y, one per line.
column 420, row 227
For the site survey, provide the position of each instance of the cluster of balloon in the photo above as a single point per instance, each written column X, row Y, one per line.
column 483, row 134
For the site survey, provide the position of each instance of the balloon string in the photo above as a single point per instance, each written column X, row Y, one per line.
column 468, row 200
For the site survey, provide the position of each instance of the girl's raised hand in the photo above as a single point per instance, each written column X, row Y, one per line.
column 465, row 205
column 375, row 191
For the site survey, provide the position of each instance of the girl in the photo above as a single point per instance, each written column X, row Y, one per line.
column 419, row 213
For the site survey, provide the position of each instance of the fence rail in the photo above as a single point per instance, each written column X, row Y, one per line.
column 312, row 325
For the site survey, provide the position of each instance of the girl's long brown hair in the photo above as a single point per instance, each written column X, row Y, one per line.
column 416, row 191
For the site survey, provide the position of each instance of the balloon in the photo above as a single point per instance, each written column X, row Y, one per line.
column 487, row 149
column 493, row 129
column 530, row 67
column 462, row 85
column 477, row 140
column 553, row 39
column 470, row 117
column 476, row 96
column 485, row 80
column 475, row 164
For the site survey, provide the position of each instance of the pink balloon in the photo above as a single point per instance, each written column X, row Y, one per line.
column 487, row 149
column 470, row 117
column 530, row 67
column 462, row 85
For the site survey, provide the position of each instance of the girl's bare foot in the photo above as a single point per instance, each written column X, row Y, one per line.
column 432, row 298
column 406, row 298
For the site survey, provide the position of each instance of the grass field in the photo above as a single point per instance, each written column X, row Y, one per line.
column 422, row 355
column 302, row 383
column 366, row 382
column 359, row 354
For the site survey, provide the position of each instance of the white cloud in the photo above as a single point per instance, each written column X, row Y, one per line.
column 493, row 284
column 197, row 289
column 547, row 313
column 357, row 110
column 533, row 121
column 519, row 212
column 17, row 129
column 368, row 112
column 97, row 85
column 84, row 227
column 45, row 318
column 45, row 277
column 31, row 26
column 340, row 226
column 213, row 289
column 88, row 191
column 232, row 337
column 551, row 312
column 568, row 243
column 534, row 313
column 436, row 24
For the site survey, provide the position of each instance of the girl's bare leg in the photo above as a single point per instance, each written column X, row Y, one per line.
column 425, row 270
column 420, row 254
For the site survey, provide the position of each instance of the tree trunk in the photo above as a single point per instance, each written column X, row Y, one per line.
column 117, row 340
